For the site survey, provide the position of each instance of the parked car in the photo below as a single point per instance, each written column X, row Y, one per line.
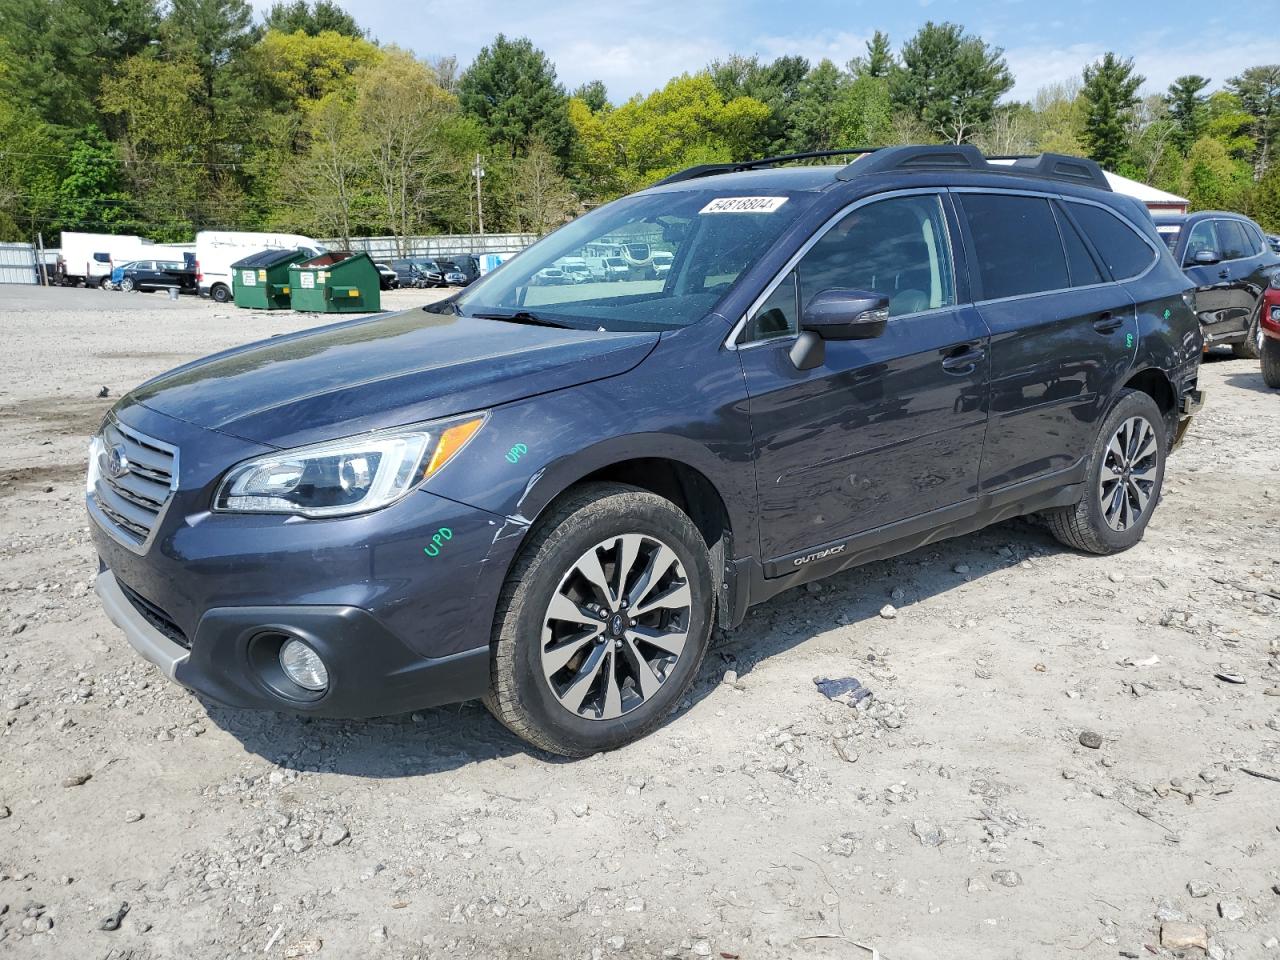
column 216, row 250
column 609, row 268
column 1273, row 241
column 461, row 270
column 148, row 275
column 551, row 276
column 1270, row 326
column 576, row 269
column 432, row 273
column 549, row 498
column 662, row 261
column 388, row 278
column 1230, row 263
column 112, row 282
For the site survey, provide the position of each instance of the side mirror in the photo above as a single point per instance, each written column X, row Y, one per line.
column 838, row 315
column 1206, row 258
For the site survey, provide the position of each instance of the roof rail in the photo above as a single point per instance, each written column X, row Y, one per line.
column 1044, row 166
column 964, row 156
column 711, row 169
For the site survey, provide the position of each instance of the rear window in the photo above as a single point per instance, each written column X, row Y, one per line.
column 1124, row 252
column 1017, row 245
column 1169, row 234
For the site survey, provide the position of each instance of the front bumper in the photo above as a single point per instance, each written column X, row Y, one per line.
column 399, row 628
column 371, row 672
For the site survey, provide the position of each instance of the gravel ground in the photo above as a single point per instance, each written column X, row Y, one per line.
column 1064, row 756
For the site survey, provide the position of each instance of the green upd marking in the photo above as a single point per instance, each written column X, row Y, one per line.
column 1168, row 313
column 1128, row 341
column 516, row 452
column 441, row 536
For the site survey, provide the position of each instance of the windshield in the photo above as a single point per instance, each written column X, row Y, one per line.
column 706, row 242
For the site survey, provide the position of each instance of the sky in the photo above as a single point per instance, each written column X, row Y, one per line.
column 635, row 47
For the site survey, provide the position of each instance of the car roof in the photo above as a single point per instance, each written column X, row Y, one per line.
column 1181, row 219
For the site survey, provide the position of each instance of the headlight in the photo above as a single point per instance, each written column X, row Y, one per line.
column 1275, row 281
column 348, row 476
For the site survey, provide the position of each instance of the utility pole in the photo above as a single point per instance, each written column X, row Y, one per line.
column 478, row 172
column 42, row 269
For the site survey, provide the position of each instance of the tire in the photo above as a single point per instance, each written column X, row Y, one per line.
column 1085, row 525
column 1271, row 363
column 127, row 285
column 219, row 293
column 1250, row 348
column 532, row 688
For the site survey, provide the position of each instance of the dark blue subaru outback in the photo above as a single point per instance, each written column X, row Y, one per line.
column 546, row 495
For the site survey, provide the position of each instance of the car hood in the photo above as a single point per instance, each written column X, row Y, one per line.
column 381, row 372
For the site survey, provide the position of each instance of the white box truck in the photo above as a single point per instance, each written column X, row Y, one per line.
column 217, row 250
column 89, row 258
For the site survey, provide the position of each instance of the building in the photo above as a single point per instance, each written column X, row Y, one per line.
column 1157, row 201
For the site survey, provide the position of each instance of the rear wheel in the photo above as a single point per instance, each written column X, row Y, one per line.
column 220, row 293
column 1250, row 348
column 1271, row 362
column 603, row 622
column 1122, row 482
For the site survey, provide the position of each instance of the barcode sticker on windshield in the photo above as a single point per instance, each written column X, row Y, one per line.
column 744, row 205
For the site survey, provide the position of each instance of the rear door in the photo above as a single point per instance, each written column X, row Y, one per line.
column 884, row 429
column 1061, row 334
column 1242, row 258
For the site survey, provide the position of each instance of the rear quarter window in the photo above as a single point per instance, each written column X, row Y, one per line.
column 1122, row 249
column 1235, row 240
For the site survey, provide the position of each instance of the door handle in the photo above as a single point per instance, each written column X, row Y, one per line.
column 1224, row 274
column 1108, row 323
column 963, row 361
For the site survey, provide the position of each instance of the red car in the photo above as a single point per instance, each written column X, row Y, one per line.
column 1269, row 327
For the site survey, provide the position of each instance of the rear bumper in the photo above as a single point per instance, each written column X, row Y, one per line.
column 231, row 659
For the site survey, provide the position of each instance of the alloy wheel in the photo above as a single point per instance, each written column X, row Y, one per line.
column 1128, row 476
column 616, row 626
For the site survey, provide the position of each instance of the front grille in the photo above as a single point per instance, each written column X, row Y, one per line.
column 156, row 616
column 133, row 500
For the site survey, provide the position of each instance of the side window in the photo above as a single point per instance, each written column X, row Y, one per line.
column 1124, row 252
column 1235, row 245
column 1017, row 244
column 1203, row 237
column 777, row 316
column 1080, row 262
column 897, row 247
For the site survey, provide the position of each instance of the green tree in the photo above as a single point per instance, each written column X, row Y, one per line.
column 950, row 80
column 818, row 118
column 312, row 19
column 1258, row 90
column 30, row 169
column 778, row 85
column 1110, row 93
column 164, row 134
column 1266, row 199
column 54, row 54
column 90, row 189
column 1187, row 108
column 594, row 94
column 212, row 35
column 1210, row 180
column 864, row 114
column 1230, row 124
column 512, row 90
column 299, row 68
column 879, row 60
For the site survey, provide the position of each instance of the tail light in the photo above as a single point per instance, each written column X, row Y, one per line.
column 199, row 275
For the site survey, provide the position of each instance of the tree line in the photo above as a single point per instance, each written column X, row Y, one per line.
column 133, row 116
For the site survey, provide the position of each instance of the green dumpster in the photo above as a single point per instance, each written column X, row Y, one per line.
column 339, row 281
column 261, row 281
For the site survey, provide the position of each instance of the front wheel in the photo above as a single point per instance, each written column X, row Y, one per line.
column 1250, row 348
column 603, row 622
column 1123, row 480
column 127, row 285
column 1271, row 362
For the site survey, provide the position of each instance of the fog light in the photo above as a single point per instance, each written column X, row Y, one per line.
column 303, row 666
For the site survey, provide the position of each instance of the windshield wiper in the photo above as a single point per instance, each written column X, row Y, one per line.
column 523, row 316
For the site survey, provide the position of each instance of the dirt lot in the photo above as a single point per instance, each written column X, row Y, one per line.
column 959, row 816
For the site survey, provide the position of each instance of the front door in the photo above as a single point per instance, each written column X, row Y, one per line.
column 1217, row 291
column 884, row 429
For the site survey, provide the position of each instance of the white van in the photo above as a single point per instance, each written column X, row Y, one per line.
column 217, row 250
column 89, row 258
